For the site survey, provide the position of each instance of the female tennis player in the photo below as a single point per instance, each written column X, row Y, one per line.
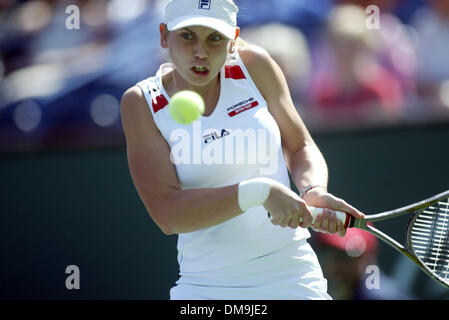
column 198, row 182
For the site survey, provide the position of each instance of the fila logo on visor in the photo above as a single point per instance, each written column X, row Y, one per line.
column 204, row 4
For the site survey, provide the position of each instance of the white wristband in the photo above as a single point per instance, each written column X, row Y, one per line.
column 254, row 192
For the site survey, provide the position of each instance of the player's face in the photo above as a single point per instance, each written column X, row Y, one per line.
column 198, row 53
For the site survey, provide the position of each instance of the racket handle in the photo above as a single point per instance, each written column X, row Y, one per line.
column 342, row 216
column 345, row 218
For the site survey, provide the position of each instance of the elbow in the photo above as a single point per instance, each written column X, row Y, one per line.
column 167, row 230
column 164, row 225
column 164, row 213
column 158, row 208
column 162, row 219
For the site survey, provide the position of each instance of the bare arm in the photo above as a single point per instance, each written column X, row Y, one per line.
column 174, row 210
column 304, row 159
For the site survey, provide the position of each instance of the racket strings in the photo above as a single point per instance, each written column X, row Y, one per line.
column 430, row 238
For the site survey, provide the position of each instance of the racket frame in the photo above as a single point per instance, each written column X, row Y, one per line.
column 413, row 209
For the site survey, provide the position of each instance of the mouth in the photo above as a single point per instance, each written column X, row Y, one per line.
column 200, row 70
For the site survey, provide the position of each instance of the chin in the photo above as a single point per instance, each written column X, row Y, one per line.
column 198, row 82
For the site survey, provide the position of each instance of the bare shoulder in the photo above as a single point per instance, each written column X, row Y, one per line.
column 133, row 93
column 134, row 106
column 255, row 58
column 272, row 84
column 137, row 119
column 264, row 71
column 133, row 101
column 252, row 50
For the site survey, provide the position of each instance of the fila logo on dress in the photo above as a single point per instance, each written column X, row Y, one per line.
column 215, row 135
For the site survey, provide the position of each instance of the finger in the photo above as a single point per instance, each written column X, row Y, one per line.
column 296, row 218
column 285, row 222
column 325, row 221
column 345, row 207
column 341, row 229
column 275, row 220
column 332, row 222
column 317, row 224
column 306, row 218
column 294, row 223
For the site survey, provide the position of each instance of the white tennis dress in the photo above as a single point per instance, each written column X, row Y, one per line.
column 246, row 257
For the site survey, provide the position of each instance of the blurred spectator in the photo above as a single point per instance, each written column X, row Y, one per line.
column 39, row 50
column 295, row 62
column 350, row 266
column 340, row 73
column 432, row 46
column 360, row 75
column 302, row 14
column 45, row 65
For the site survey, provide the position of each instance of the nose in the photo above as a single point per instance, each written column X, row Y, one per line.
column 200, row 51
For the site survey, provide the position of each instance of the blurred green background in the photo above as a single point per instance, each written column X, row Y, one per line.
column 79, row 207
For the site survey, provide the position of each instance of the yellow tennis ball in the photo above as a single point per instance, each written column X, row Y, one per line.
column 186, row 106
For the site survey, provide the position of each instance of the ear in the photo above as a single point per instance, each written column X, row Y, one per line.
column 164, row 35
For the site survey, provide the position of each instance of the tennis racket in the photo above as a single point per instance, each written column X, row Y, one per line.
column 427, row 233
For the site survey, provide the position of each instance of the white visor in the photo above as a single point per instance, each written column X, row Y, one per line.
column 213, row 23
column 220, row 15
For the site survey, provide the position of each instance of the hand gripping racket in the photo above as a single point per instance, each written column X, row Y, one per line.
column 427, row 233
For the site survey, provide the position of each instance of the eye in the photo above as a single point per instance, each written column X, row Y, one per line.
column 215, row 37
column 186, row 36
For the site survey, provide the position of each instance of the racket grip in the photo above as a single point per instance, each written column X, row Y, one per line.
column 342, row 216
column 345, row 218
